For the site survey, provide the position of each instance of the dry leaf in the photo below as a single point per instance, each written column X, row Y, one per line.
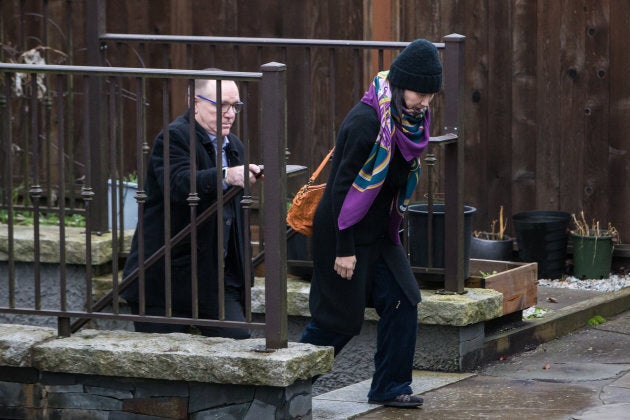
column 552, row 300
column 547, row 366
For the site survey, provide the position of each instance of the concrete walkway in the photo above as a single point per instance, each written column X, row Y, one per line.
column 584, row 374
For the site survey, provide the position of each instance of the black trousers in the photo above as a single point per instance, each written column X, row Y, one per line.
column 234, row 311
column 395, row 341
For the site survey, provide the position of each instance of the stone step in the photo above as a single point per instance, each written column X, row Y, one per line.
column 102, row 284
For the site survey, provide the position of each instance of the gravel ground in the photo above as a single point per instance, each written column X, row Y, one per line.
column 613, row 283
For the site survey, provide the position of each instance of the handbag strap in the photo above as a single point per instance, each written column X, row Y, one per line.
column 320, row 167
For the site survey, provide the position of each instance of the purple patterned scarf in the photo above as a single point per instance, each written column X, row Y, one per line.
column 410, row 135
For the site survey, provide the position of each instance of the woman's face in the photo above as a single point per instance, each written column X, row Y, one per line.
column 416, row 101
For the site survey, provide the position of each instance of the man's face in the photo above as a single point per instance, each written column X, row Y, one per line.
column 206, row 112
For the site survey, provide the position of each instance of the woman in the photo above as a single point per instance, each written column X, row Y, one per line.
column 357, row 255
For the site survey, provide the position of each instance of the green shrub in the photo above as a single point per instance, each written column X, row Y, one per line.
column 596, row 320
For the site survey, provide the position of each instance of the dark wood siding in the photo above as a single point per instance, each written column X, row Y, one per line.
column 546, row 94
column 545, row 117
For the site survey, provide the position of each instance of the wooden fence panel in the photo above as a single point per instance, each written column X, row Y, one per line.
column 595, row 198
column 523, row 131
column 498, row 141
column 547, row 140
column 473, row 22
column 424, row 19
column 572, row 95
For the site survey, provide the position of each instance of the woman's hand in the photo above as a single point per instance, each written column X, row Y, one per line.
column 344, row 266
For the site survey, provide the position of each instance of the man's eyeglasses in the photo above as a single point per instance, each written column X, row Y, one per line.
column 225, row 108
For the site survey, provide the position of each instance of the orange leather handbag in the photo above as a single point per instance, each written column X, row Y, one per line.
column 302, row 210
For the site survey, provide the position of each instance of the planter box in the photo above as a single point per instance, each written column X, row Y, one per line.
column 517, row 281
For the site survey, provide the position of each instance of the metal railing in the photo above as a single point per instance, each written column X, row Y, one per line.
column 362, row 59
column 316, row 90
column 47, row 120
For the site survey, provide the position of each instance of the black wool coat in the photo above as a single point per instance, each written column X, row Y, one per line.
column 153, row 217
column 338, row 304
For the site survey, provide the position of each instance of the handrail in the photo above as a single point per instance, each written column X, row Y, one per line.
column 152, row 259
column 301, row 42
column 128, row 71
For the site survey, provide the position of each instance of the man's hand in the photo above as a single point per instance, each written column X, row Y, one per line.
column 234, row 175
column 344, row 266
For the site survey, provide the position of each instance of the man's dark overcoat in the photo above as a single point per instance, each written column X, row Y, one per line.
column 179, row 182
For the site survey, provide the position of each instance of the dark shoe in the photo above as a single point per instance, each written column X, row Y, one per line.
column 401, row 401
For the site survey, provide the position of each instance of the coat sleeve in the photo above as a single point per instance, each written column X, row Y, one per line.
column 354, row 144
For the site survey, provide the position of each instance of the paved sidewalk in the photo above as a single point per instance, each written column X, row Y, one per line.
column 581, row 375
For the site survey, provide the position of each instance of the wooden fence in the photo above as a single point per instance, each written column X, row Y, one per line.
column 546, row 92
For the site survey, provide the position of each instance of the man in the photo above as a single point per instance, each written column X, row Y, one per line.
column 208, row 139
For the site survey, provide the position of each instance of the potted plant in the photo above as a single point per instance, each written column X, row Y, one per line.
column 493, row 244
column 592, row 248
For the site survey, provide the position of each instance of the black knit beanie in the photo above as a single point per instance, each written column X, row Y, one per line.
column 417, row 68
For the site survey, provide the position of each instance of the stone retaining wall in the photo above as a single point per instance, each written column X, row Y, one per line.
column 127, row 375
column 30, row 394
column 451, row 328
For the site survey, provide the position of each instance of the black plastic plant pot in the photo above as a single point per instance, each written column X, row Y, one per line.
column 542, row 237
column 418, row 235
column 492, row 249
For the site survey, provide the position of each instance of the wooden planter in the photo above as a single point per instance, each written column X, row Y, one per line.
column 517, row 281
